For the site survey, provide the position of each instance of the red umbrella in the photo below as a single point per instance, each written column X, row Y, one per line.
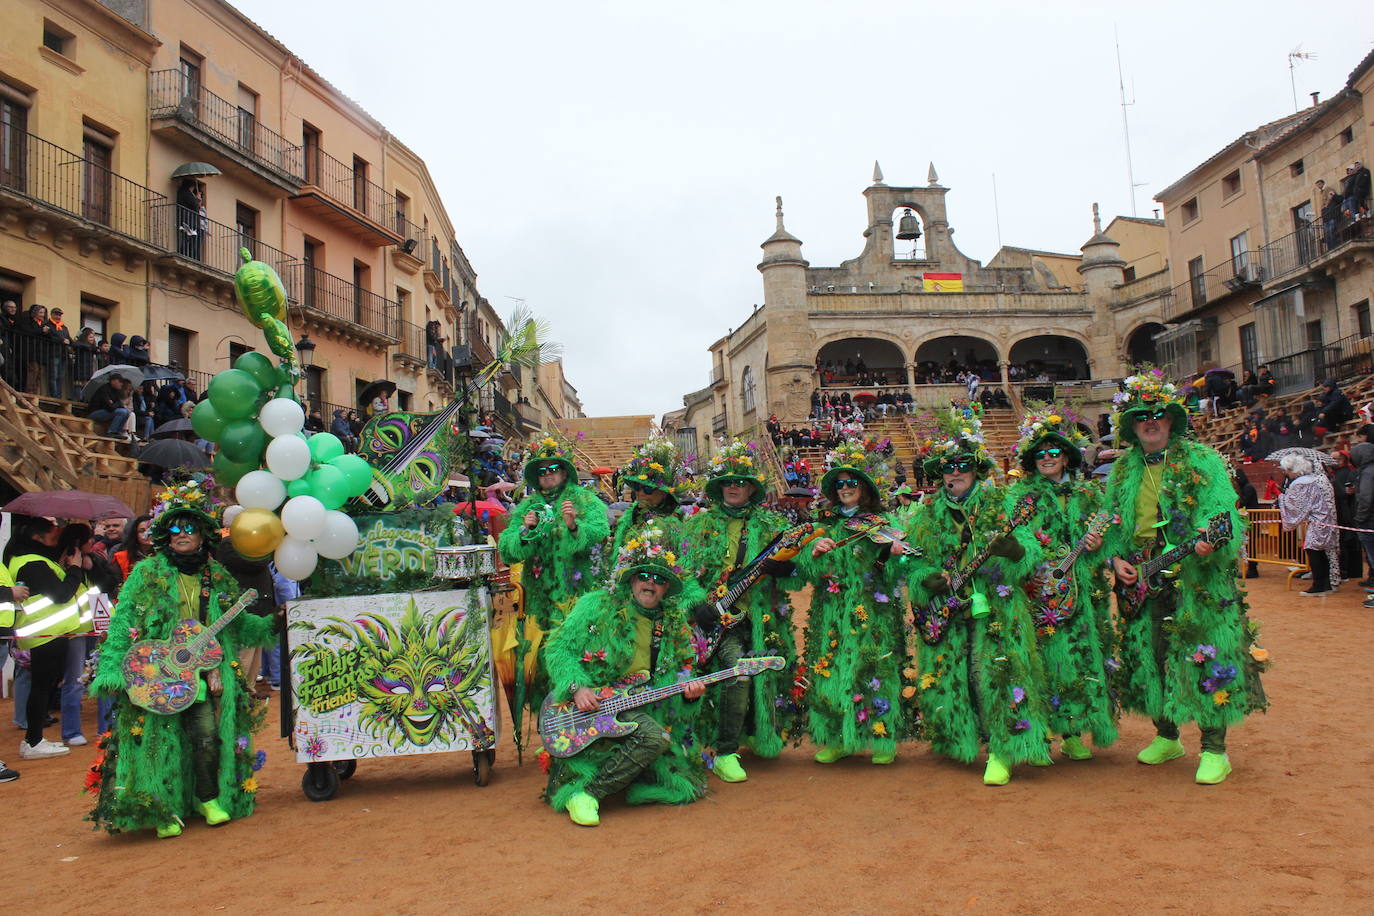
column 601, row 470
column 69, row 504
column 865, row 395
column 483, row 508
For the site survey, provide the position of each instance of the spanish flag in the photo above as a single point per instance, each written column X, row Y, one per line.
column 942, row 283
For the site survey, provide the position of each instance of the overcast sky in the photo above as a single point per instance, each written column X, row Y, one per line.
column 615, row 163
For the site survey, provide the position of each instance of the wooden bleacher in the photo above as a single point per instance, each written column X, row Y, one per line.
column 605, row 441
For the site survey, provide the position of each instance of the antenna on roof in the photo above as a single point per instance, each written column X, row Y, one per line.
column 996, row 211
column 1294, row 56
column 1125, row 123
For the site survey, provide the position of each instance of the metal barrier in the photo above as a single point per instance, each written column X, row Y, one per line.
column 1267, row 542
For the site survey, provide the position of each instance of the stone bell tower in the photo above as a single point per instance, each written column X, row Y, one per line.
column 791, row 356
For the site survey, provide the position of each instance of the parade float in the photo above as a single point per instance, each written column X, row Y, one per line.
column 387, row 652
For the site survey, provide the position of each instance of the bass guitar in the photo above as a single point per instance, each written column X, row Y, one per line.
column 932, row 620
column 566, row 731
column 162, row 675
column 1153, row 573
column 728, row 591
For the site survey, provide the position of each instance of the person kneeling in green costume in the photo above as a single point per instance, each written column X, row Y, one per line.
column 634, row 629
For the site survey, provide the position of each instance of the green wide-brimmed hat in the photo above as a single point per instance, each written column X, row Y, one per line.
column 958, row 434
column 190, row 501
column 648, row 551
column 850, row 457
column 548, row 450
column 1045, row 424
column 737, row 462
column 1143, row 393
column 655, row 465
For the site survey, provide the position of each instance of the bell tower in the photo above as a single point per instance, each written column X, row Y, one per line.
column 791, row 360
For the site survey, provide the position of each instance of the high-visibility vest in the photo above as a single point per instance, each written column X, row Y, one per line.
column 6, row 607
column 41, row 619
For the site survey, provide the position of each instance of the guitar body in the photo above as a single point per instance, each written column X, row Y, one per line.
column 1155, row 572
column 162, row 676
column 421, row 478
column 566, row 731
column 1131, row 598
column 1051, row 598
column 934, row 618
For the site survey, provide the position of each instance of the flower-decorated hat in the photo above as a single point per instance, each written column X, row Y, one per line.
column 852, row 458
column 192, row 501
column 655, row 465
column 737, row 462
column 548, row 450
column 647, row 551
column 1144, row 393
column 1045, row 424
column 958, row 434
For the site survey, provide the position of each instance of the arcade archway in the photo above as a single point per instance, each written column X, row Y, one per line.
column 1060, row 358
column 1140, row 345
column 944, row 358
column 861, row 361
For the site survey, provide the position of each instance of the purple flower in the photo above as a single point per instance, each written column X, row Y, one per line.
column 874, row 684
column 1021, row 725
column 880, row 598
column 577, row 576
column 1223, row 673
column 881, row 706
column 241, row 742
column 1112, row 664
column 259, row 761
column 1209, row 685
column 1003, row 591
column 1207, row 651
column 1054, row 701
column 1018, row 694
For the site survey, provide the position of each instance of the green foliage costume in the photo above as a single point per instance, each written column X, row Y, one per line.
column 559, row 564
column 145, row 776
column 655, row 465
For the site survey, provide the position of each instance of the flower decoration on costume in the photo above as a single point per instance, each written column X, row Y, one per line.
column 958, row 433
column 1046, row 424
column 1144, row 392
column 648, row 551
column 657, row 464
column 551, row 448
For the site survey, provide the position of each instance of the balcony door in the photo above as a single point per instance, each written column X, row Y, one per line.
column 97, row 190
column 14, row 133
column 309, row 258
column 190, row 66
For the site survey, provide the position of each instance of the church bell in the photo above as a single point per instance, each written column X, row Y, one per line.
column 908, row 228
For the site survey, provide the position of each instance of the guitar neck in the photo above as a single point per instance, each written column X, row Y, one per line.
column 1168, row 558
column 1097, row 527
column 441, row 419
column 645, row 697
column 960, row 578
column 212, row 630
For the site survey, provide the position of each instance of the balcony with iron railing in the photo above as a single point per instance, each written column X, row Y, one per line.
column 336, row 303
column 1240, row 272
column 88, row 200
column 219, row 131
column 341, row 195
column 209, row 247
column 1313, row 246
column 410, row 254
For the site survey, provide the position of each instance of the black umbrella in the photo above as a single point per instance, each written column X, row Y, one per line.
column 132, row 374
column 372, row 389
column 173, row 453
column 172, row 428
column 152, row 373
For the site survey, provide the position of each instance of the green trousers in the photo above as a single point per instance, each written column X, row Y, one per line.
column 734, row 696
column 199, row 723
column 1213, row 739
column 630, row 755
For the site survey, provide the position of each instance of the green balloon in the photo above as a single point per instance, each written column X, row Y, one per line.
column 227, row 471
column 328, row 486
column 260, row 367
column 357, row 473
column 325, row 447
column 234, row 394
column 243, row 441
column 298, row 487
column 207, row 422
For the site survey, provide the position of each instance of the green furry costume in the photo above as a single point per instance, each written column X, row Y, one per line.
column 706, row 542
column 593, row 648
column 1210, row 674
column 559, row 565
column 855, row 644
column 1073, row 624
column 144, row 778
column 980, row 681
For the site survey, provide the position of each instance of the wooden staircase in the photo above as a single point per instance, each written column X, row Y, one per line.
column 1223, row 433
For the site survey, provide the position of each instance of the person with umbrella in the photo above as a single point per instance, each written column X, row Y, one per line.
column 111, row 403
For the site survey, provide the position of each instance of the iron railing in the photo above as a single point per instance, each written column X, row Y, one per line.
column 408, row 230
column 213, row 245
column 1303, row 246
column 1347, row 358
column 66, row 181
column 170, row 95
column 341, row 183
column 337, row 299
column 1238, row 272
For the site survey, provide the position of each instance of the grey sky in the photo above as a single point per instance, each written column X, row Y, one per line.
column 615, row 163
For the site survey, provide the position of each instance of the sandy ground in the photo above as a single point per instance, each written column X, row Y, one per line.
column 1290, row 831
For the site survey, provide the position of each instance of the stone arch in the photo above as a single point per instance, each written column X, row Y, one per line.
column 958, row 347
column 1138, row 345
column 1063, row 355
column 879, row 350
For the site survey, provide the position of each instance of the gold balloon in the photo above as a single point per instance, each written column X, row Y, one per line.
column 255, row 533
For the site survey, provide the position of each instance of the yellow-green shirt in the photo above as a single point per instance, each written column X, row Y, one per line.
column 1147, row 502
column 644, row 636
column 734, row 530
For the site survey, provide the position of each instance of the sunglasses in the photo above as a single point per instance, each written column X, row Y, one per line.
column 1159, row 413
column 956, row 467
column 549, row 469
column 655, row 578
column 181, row 529
column 1044, row 453
column 846, row 483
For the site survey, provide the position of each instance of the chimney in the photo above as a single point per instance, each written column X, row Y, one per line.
column 1315, row 97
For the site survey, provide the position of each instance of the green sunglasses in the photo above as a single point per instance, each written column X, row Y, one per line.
column 548, row 469
column 846, row 483
column 1044, row 453
column 655, row 578
column 957, row 467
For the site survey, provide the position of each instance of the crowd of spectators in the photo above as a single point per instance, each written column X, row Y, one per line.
column 1344, row 211
column 41, row 356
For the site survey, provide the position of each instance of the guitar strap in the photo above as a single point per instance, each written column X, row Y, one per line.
column 655, row 641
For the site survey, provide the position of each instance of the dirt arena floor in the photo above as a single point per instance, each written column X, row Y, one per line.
column 1290, row 831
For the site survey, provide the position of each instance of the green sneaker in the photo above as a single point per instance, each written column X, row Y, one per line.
column 883, row 758
column 584, row 810
column 1161, row 750
column 1073, row 748
column 169, row 830
column 1213, row 769
column 997, row 772
column 728, row 768
column 213, row 813
column 824, row 755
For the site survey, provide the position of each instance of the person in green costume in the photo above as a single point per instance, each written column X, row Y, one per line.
column 153, row 770
column 1189, row 654
column 729, row 533
column 980, row 682
column 635, row 628
column 553, row 532
column 855, row 644
column 1072, row 614
column 651, row 477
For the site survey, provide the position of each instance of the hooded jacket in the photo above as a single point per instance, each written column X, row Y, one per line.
column 1362, row 456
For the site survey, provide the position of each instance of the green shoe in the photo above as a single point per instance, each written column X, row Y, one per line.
column 1161, row 750
column 824, row 755
column 213, row 813
column 883, row 758
column 584, row 810
column 997, row 772
column 728, row 768
column 1074, row 748
column 1213, row 769
column 169, row 830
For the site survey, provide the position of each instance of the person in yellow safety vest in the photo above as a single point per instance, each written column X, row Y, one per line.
column 58, row 606
column 10, row 596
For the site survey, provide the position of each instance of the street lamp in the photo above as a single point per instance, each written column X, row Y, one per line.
column 305, row 351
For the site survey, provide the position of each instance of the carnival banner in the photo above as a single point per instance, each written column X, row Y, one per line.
column 399, row 542
column 391, row 675
column 942, row 283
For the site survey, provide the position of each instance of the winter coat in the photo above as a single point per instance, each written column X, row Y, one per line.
column 1362, row 456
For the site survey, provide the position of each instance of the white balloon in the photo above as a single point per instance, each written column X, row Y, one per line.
column 339, row 537
column 281, row 417
column 295, row 559
column 303, row 517
column 260, row 490
column 231, row 513
column 288, row 457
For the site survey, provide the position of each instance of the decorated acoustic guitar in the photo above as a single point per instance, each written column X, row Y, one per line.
column 1153, row 573
column 162, row 675
column 1051, row 590
column 566, row 730
column 932, row 620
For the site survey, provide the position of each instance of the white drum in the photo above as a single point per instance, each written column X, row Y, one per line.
column 466, row 562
